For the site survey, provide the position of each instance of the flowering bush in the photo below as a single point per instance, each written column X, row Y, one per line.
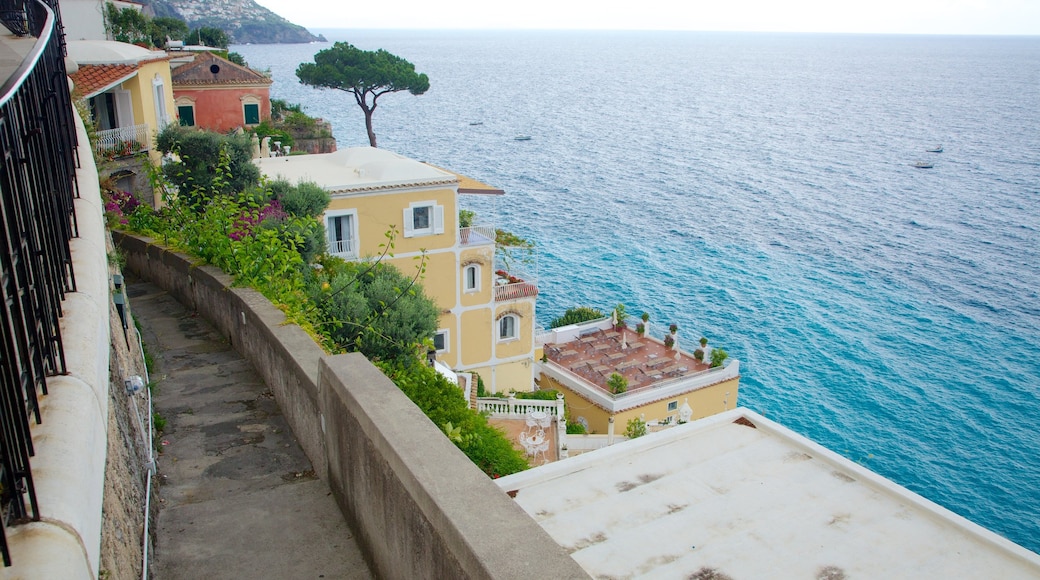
column 248, row 220
column 118, row 205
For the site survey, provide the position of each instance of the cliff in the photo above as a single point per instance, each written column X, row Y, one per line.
column 245, row 21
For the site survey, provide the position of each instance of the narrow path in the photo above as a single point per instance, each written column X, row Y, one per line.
column 239, row 499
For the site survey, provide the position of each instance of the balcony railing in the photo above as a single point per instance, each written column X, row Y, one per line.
column 343, row 248
column 477, row 235
column 37, row 185
column 122, row 141
column 522, row 289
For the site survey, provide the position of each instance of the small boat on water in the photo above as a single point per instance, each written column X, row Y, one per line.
column 922, row 165
column 936, row 149
column 522, row 138
column 474, row 123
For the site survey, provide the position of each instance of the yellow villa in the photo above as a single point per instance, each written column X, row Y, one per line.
column 664, row 385
column 487, row 320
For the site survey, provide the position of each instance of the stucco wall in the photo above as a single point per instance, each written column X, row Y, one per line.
column 221, row 109
column 418, row 505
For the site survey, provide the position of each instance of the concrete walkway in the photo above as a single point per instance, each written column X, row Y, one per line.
column 239, row 499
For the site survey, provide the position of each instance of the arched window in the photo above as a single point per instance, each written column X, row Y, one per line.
column 471, row 278
column 509, row 327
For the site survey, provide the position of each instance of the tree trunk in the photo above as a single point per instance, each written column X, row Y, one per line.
column 368, row 127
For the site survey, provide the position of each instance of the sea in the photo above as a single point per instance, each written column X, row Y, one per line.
column 759, row 190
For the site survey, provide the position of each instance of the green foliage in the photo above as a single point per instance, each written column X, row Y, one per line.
column 159, row 422
column 718, row 356
column 280, row 108
column 617, row 383
column 267, row 128
column 466, row 217
column 539, row 395
column 575, row 428
column 635, row 428
column 201, row 153
column 444, row 404
column 165, row 27
column 366, row 74
column 127, row 25
column 209, row 36
column 237, row 59
column 373, row 308
column 303, row 199
column 576, row 315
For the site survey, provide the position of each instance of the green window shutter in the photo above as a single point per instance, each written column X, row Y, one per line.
column 187, row 115
column 252, row 114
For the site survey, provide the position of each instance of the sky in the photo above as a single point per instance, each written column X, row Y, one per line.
column 843, row 16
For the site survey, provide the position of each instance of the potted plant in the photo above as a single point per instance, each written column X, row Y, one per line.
column 669, row 341
column 617, row 383
column 640, row 329
column 465, row 222
column 718, row 356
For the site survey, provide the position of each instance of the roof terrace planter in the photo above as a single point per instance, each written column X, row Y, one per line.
column 616, row 403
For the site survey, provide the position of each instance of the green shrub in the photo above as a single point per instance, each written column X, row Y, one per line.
column 576, row 315
column 617, row 383
column 635, row 428
column 444, row 404
column 210, row 164
column 718, row 356
column 305, row 199
column 540, row 395
column 373, row 309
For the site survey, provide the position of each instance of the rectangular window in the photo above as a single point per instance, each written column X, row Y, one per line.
column 423, row 218
column 341, row 232
column 187, row 115
column 158, row 93
column 440, row 341
column 252, row 114
column 673, row 405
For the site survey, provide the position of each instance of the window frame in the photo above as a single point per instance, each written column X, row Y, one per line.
column 436, row 225
column 249, row 101
column 515, row 318
column 475, row 269
column 673, row 405
column 355, row 238
column 446, row 340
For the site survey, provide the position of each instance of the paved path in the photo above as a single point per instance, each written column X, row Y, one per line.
column 238, row 497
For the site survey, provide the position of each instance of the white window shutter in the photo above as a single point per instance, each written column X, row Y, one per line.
column 438, row 219
column 408, row 222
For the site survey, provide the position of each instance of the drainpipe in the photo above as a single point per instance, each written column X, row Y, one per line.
column 610, row 431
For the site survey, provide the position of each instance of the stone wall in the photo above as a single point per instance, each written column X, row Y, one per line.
column 420, row 508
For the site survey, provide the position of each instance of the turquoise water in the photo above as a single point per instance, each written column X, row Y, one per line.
column 757, row 189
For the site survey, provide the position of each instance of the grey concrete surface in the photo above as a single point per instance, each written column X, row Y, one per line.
column 239, row 499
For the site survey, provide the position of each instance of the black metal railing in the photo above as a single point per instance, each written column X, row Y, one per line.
column 37, row 187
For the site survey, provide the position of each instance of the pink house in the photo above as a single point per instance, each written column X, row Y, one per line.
column 214, row 93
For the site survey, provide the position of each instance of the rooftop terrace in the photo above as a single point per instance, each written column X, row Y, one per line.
column 583, row 357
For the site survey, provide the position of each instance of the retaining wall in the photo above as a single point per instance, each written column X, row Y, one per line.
column 418, row 505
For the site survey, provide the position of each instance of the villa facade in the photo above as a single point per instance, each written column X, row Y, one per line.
column 216, row 94
column 664, row 386
column 487, row 320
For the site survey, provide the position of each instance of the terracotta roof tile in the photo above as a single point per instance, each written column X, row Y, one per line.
column 91, row 79
column 200, row 72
